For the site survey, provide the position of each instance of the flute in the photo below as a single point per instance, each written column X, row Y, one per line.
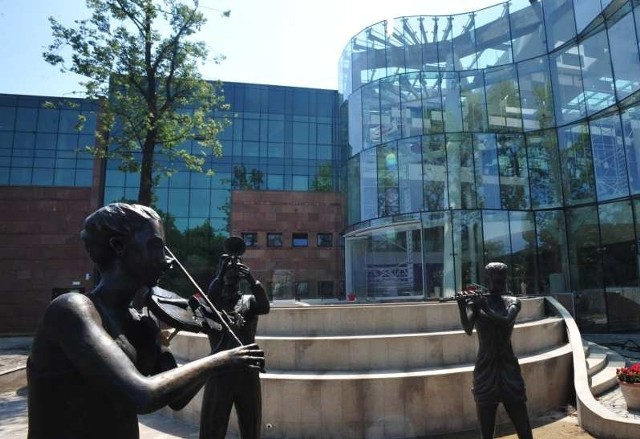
column 474, row 294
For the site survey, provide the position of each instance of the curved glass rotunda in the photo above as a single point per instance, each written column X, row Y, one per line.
column 508, row 134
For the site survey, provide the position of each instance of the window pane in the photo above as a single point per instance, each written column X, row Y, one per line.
column 631, row 128
column 535, row 94
column 559, row 21
column 577, row 162
column 624, row 57
column 551, row 240
column 411, row 105
column 487, row 174
column 26, row 119
column 609, row 158
column 410, row 174
column 568, row 93
column 324, row 240
column 274, row 239
column 474, row 114
column 353, row 189
column 434, row 172
column 514, row 182
column 596, row 72
column 389, row 203
column 462, row 190
column 300, row 240
column 368, row 185
column 544, row 169
column 250, row 239
column 503, row 99
column 527, row 29
column 48, row 120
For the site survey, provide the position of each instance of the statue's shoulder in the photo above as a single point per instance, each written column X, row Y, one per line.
column 510, row 299
column 70, row 304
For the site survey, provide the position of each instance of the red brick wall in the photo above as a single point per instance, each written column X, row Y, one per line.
column 291, row 212
column 40, row 249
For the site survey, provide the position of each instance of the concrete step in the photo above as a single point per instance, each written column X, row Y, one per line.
column 372, row 319
column 605, row 378
column 399, row 351
column 596, row 358
column 381, row 352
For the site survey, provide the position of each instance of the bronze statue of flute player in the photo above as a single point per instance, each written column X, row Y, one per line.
column 496, row 377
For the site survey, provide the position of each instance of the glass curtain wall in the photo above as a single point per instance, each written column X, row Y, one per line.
column 512, row 133
column 279, row 139
column 43, row 141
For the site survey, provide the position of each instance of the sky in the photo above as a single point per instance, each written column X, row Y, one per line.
column 280, row 42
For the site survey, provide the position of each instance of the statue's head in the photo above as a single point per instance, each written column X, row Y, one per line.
column 496, row 276
column 131, row 235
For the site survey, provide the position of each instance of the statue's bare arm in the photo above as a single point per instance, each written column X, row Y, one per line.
column 76, row 326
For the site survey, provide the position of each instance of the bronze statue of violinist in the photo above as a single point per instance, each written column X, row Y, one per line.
column 496, row 377
column 96, row 362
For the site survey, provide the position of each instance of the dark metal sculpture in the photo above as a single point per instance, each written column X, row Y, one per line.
column 234, row 387
column 496, row 377
column 96, row 362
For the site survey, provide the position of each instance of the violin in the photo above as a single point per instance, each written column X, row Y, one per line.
column 197, row 313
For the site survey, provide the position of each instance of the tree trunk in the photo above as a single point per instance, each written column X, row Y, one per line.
column 146, row 170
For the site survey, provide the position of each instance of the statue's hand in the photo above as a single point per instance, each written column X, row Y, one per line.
column 250, row 356
column 245, row 273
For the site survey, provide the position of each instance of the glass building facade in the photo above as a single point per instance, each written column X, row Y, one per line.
column 508, row 134
column 279, row 139
column 42, row 143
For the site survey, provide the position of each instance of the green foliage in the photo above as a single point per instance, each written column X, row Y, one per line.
column 244, row 182
column 323, row 181
column 141, row 63
column 198, row 249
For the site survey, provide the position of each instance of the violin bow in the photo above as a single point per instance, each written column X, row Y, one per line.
column 206, row 299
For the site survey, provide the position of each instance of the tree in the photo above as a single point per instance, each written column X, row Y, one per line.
column 141, row 63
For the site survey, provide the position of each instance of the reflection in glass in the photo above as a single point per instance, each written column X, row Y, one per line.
column 625, row 58
column 474, row 114
column 487, row 171
column 631, row 132
column 410, row 174
column 553, row 262
column 535, row 94
column 460, row 172
column 496, row 239
column 527, row 29
column 468, row 248
column 585, row 263
column 544, row 169
column 389, row 195
column 596, row 72
column 568, row 93
column 368, row 185
column 619, row 262
column 503, row 99
column 560, row 22
column 434, row 171
column 514, row 181
column 523, row 252
column 609, row 158
column 577, row 164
